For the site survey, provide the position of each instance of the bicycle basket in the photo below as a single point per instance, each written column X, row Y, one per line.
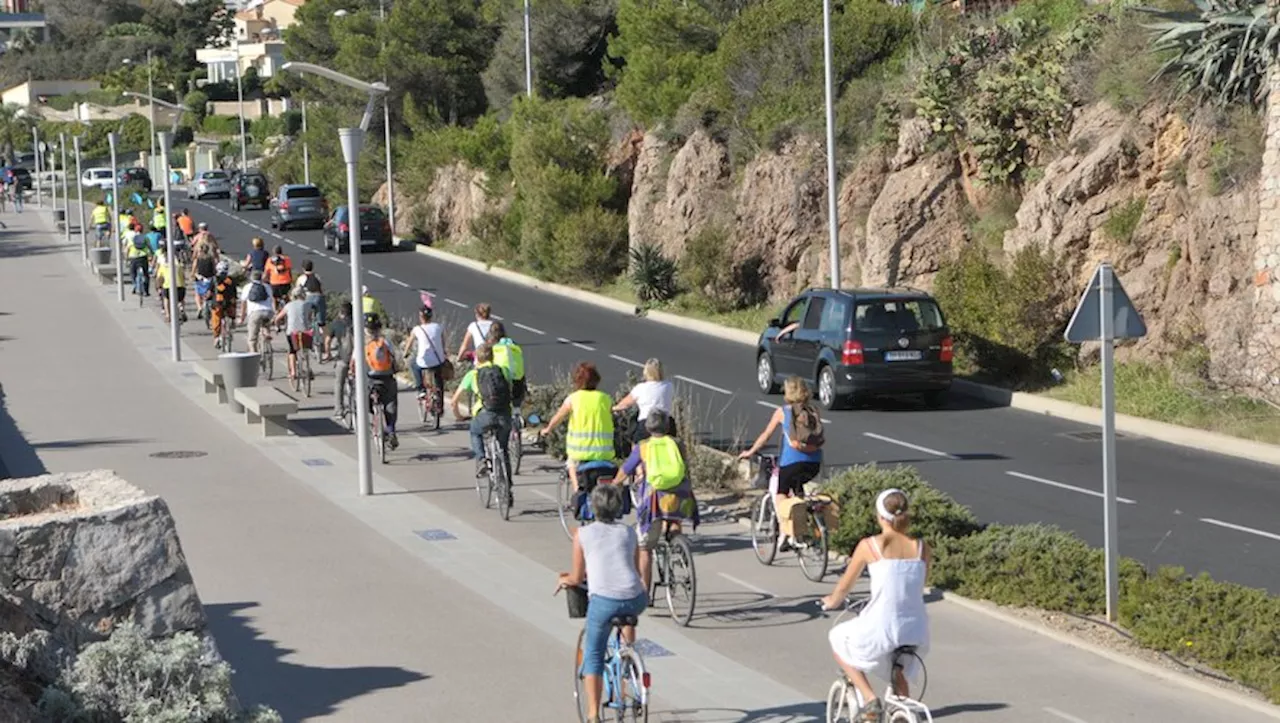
column 576, row 597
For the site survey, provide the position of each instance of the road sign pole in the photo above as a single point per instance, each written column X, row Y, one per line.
column 1109, row 522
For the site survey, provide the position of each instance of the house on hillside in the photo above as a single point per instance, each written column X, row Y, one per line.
column 257, row 45
column 35, row 92
column 20, row 26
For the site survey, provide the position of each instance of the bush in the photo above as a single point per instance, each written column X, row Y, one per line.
column 292, row 120
column 265, row 127
column 1235, row 157
column 663, row 44
column 653, row 275
column 221, row 125
column 703, row 266
column 1007, row 324
column 1123, row 221
column 934, row 515
column 197, row 103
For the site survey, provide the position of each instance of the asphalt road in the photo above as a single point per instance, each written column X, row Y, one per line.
column 1204, row 512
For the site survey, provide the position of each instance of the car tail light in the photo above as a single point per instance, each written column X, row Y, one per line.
column 852, row 354
column 386, row 227
column 343, row 228
column 646, row 679
column 284, row 205
column 948, row 350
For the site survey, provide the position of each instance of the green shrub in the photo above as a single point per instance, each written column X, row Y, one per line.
column 265, row 127
column 706, row 256
column 1123, row 220
column 1007, row 324
column 221, row 125
column 934, row 515
column 653, row 275
column 997, row 217
column 197, row 103
column 135, row 678
column 1235, row 157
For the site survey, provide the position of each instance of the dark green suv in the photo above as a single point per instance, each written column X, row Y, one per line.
column 859, row 343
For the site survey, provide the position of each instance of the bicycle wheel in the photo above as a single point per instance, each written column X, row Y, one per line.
column 516, row 446
column 840, row 709
column 579, row 685
column 484, row 482
column 764, row 530
column 681, row 580
column 901, row 715
column 813, row 551
column 564, row 498
column 503, row 488
column 437, row 408
column 377, row 433
column 305, row 372
column 423, row 403
column 630, row 702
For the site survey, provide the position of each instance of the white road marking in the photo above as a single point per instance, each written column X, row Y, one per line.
column 625, row 360
column 518, row 325
column 584, row 347
column 1081, row 490
column 1240, row 528
column 399, row 283
column 542, row 494
column 379, row 275
column 458, row 304
column 744, row 583
column 499, row 318
column 1064, row 716
column 703, row 384
column 908, row 445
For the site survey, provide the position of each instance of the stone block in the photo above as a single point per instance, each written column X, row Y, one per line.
column 86, row 551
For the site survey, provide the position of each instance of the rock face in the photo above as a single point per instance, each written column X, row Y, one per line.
column 456, row 199
column 81, row 552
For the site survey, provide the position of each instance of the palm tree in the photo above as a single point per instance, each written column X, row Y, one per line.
column 15, row 127
column 1223, row 50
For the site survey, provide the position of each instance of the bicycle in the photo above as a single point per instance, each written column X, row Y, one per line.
column 844, row 700
column 348, row 409
column 225, row 334
column 674, row 572
column 625, row 692
column 574, row 510
column 810, row 547
column 139, row 283
column 378, row 423
column 302, row 362
column 266, row 364
column 499, row 475
column 516, row 444
column 431, row 403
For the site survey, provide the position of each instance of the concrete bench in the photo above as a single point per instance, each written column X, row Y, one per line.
column 213, row 383
column 107, row 272
column 267, row 405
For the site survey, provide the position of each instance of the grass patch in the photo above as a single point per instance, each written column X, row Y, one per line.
column 991, row 223
column 697, row 306
column 1236, row 155
column 1165, row 393
column 1124, row 219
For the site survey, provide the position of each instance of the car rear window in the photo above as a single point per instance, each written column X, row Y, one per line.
column 898, row 315
column 104, row 173
column 216, row 176
column 372, row 214
column 302, row 192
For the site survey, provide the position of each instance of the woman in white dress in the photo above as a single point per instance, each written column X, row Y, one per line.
column 895, row 616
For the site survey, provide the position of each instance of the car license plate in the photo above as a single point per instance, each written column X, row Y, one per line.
column 911, row 355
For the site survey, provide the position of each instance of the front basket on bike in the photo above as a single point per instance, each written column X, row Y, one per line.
column 576, row 597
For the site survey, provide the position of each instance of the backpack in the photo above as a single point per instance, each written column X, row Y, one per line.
column 806, row 426
column 257, row 292
column 140, row 242
column 378, row 356
column 312, row 284
column 664, row 467
column 495, row 390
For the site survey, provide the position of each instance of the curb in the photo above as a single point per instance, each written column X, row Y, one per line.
column 1183, row 679
column 1197, row 439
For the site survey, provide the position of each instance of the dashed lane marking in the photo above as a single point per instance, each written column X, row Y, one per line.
column 584, row 347
column 529, row 329
column 1239, row 528
column 398, row 282
column 625, row 360
column 379, row 275
column 1064, row 716
column 704, row 385
column 458, row 304
column 1060, row 485
column 908, row 445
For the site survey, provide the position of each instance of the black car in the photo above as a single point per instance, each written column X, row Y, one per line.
column 23, row 178
column 375, row 230
column 250, row 189
column 135, row 177
column 858, row 343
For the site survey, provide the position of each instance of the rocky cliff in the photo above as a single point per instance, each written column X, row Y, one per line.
column 1185, row 255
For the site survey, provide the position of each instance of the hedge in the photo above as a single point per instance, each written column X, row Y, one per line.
column 1231, row 628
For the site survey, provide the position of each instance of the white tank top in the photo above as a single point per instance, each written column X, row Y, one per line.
column 479, row 330
column 430, row 341
column 610, row 549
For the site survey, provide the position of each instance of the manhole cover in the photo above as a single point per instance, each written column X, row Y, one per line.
column 178, row 454
column 1089, row 436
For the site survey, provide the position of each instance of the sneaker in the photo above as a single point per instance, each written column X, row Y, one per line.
column 784, row 543
column 422, row 394
column 393, row 441
column 482, row 467
column 217, row 343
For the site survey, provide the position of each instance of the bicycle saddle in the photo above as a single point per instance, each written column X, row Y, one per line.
column 904, row 650
column 625, row 620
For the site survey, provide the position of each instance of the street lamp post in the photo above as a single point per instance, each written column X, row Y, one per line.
column 386, row 124
column 528, row 54
column 352, row 139
column 113, row 139
column 244, row 152
column 66, row 194
column 306, row 152
column 833, row 214
column 35, row 152
column 84, row 235
column 151, row 108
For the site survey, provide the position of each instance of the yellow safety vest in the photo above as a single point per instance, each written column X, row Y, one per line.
column 101, row 215
column 590, row 435
column 508, row 355
column 160, row 219
column 663, row 465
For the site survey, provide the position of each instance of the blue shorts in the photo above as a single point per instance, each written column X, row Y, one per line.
column 203, row 286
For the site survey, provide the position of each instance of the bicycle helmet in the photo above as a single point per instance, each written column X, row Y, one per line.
column 372, row 321
column 202, row 226
column 222, row 268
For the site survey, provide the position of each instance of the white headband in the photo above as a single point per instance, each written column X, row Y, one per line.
column 880, row 508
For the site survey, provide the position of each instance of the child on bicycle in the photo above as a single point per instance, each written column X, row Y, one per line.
column 664, row 489
column 896, row 614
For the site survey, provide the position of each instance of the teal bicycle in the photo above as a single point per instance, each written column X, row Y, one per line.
column 625, row 694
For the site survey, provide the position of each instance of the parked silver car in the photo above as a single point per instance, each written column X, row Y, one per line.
column 209, row 183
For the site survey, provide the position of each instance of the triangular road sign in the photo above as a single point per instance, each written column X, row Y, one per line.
column 1086, row 322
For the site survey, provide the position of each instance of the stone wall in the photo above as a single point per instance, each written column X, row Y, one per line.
column 82, row 552
column 1263, row 343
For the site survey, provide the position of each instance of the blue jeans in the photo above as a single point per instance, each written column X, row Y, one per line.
column 600, row 610
column 317, row 304
column 485, row 418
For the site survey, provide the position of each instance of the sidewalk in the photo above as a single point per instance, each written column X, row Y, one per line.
column 416, row 604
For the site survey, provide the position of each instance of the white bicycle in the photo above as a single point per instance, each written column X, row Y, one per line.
column 845, row 703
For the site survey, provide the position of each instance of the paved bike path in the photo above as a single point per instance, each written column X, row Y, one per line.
column 473, row 612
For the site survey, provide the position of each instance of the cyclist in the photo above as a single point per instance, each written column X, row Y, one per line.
column 652, row 394
column 101, row 219
column 665, row 490
column 179, row 280
column 256, row 259
column 204, row 238
column 155, row 239
column 279, row 273
column 339, row 338
column 370, row 305
column 224, row 301
column 125, row 221
column 490, row 405
column 309, row 282
column 896, row 614
column 429, row 337
column 380, row 357
column 508, row 355
column 607, row 555
column 203, row 268
column 140, row 256
column 160, row 217
column 255, row 307
column 801, row 458
column 477, row 331
column 590, row 413
column 186, row 224
column 297, row 329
